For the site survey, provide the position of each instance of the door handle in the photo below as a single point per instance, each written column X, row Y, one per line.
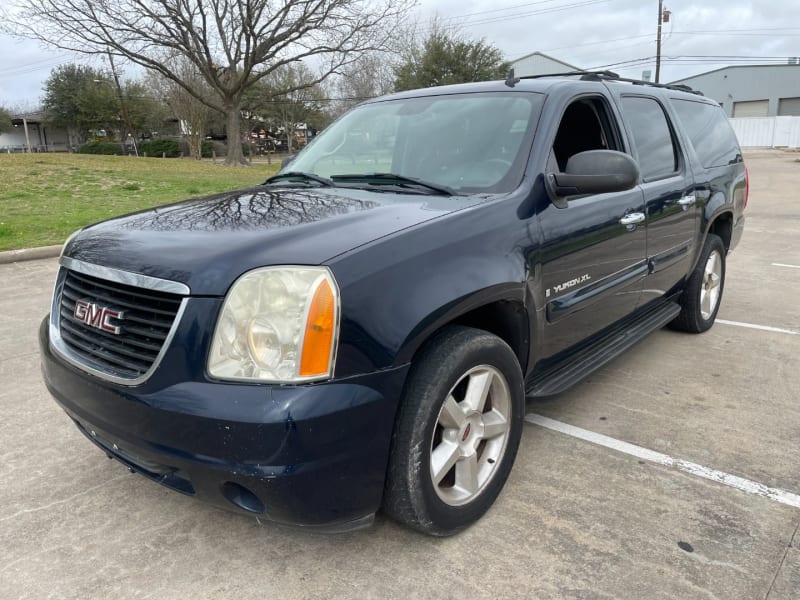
column 687, row 200
column 632, row 219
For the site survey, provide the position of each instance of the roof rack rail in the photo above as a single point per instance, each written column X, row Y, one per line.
column 611, row 76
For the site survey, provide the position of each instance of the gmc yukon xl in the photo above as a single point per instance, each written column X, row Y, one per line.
column 361, row 331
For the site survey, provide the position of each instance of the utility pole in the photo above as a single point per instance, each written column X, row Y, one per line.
column 658, row 40
column 663, row 17
column 124, row 107
column 27, row 137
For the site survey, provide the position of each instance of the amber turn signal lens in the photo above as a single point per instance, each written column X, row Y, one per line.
column 318, row 339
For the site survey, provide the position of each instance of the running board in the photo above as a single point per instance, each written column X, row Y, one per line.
column 575, row 367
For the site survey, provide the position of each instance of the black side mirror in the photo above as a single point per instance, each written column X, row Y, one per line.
column 287, row 160
column 593, row 172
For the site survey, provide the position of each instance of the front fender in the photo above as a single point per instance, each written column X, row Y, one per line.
column 399, row 291
column 456, row 308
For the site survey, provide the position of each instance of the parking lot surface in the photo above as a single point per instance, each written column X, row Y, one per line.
column 577, row 519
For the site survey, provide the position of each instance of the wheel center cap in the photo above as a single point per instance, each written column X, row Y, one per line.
column 466, row 432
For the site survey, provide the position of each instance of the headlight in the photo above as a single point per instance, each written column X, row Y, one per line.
column 278, row 324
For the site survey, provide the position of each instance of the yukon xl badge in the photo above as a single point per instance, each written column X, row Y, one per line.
column 567, row 284
column 97, row 316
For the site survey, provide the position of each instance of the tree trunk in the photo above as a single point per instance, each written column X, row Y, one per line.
column 289, row 137
column 196, row 146
column 72, row 139
column 233, row 130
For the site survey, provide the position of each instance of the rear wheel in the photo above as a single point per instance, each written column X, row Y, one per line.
column 703, row 294
column 457, row 432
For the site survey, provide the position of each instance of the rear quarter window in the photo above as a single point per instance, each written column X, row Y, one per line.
column 709, row 132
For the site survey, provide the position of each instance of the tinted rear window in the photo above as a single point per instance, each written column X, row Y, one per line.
column 658, row 155
column 709, row 132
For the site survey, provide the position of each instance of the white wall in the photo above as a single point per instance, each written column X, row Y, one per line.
column 767, row 132
column 539, row 64
column 43, row 138
column 748, row 82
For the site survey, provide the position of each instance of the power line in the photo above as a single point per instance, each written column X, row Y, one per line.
column 697, row 59
column 36, row 65
column 726, row 34
column 499, row 19
column 730, row 33
column 630, row 37
column 495, row 10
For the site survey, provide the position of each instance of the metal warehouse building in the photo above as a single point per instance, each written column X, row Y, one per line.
column 752, row 91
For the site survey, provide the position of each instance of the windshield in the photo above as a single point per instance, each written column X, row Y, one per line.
column 469, row 143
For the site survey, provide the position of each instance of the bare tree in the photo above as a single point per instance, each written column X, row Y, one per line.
column 301, row 105
column 192, row 113
column 370, row 76
column 232, row 44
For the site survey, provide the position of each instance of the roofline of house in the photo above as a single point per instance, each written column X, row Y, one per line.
column 547, row 56
column 31, row 117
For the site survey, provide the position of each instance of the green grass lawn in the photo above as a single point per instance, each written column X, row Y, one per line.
column 45, row 197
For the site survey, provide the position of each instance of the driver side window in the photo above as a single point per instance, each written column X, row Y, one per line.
column 587, row 124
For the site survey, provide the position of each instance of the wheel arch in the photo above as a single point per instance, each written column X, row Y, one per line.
column 722, row 226
column 718, row 219
column 499, row 310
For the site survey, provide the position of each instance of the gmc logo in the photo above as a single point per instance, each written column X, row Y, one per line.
column 97, row 316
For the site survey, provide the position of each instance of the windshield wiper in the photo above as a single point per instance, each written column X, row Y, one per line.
column 302, row 176
column 394, row 179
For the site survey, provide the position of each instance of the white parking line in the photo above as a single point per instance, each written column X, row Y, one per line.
column 787, row 266
column 745, row 485
column 761, row 327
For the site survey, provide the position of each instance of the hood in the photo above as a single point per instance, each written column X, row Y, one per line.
column 207, row 243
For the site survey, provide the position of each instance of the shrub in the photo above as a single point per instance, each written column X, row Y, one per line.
column 219, row 148
column 101, row 148
column 160, row 147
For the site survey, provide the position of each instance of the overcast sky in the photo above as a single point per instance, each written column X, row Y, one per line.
column 586, row 33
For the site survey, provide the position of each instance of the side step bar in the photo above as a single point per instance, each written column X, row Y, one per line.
column 575, row 367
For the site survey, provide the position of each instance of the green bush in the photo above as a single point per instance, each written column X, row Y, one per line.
column 160, row 147
column 101, row 148
column 216, row 147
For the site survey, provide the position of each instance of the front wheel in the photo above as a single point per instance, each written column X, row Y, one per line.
column 703, row 294
column 457, row 432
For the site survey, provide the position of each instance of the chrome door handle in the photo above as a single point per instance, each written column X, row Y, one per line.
column 632, row 219
column 687, row 200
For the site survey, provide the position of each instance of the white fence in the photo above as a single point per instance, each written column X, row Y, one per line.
column 767, row 132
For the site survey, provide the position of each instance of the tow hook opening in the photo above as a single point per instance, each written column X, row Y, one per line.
column 241, row 497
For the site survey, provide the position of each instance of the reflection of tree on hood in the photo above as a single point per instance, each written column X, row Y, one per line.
column 255, row 209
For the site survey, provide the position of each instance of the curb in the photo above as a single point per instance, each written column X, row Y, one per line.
column 12, row 256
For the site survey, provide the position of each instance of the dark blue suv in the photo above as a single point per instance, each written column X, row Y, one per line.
column 361, row 331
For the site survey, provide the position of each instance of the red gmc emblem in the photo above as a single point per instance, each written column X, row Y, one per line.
column 97, row 316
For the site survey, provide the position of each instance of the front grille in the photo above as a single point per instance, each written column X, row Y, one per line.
column 143, row 330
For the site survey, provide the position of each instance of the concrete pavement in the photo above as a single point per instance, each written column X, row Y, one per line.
column 576, row 520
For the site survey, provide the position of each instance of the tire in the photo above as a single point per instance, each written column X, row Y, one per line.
column 703, row 293
column 457, row 432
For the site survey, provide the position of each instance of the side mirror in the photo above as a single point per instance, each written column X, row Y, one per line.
column 593, row 172
column 287, row 160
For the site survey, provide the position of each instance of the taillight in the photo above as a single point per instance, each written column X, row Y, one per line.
column 746, row 186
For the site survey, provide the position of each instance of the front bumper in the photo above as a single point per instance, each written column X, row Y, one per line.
column 311, row 455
